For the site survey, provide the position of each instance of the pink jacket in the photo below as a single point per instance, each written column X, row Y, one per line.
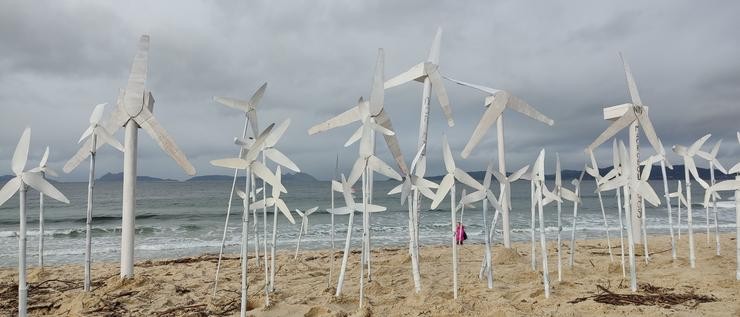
column 459, row 232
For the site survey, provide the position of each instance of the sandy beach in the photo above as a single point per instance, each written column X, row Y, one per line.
column 183, row 287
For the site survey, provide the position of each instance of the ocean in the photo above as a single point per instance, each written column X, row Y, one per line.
column 176, row 219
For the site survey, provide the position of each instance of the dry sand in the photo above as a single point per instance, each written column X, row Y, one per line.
column 183, row 287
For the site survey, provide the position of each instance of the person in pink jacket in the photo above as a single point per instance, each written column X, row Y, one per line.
column 460, row 234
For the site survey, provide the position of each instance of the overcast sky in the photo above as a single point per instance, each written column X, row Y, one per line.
column 60, row 58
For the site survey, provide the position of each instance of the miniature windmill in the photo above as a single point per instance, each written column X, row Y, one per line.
column 593, row 170
column 304, row 226
column 43, row 170
column 20, row 184
column 134, row 109
column 496, row 102
column 576, row 201
column 713, row 163
column 660, row 157
column 98, row 136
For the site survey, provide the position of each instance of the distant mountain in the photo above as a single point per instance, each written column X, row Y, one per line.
column 286, row 178
column 118, row 177
column 5, row 178
column 655, row 174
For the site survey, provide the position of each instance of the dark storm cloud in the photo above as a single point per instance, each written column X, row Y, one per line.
column 59, row 58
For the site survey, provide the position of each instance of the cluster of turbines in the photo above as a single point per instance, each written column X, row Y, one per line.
column 134, row 110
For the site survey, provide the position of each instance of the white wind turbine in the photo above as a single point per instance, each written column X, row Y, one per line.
column 681, row 199
column 98, row 136
column 576, row 201
column 134, row 109
column 496, row 102
column 277, row 204
column 447, row 185
column 243, row 249
column 248, row 161
column 426, row 72
column 538, row 178
column 250, row 118
column 349, row 209
column 690, row 168
column 304, row 226
column 727, row 186
column 660, row 157
column 593, row 170
column 634, row 115
column 482, row 193
column 562, row 193
column 43, row 170
column 20, row 184
column 713, row 163
column 413, row 181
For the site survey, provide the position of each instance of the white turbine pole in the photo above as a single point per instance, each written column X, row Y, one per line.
column 129, row 199
column 714, row 208
column 558, row 187
column 630, row 241
column 88, row 218
column 737, row 230
column 644, row 231
column 245, row 242
column 692, row 254
column 668, row 204
column 543, row 245
column 502, row 169
column 41, row 228
column 621, row 231
column 454, row 242
column 22, row 287
column 678, row 190
column 573, row 232
column 364, row 236
column 634, row 199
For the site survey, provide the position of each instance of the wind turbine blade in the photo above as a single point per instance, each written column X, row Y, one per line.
column 499, row 177
column 235, row 163
column 715, row 149
column 298, row 211
column 284, row 209
column 266, row 175
column 237, row 104
column 396, row 190
column 614, row 183
column 681, row 150
column 20, row 156
column 735, row 169
column 275, row 193
column 44, row 157
column 81, row 155
column 280, row 158
column 444, row 187
column 347, row 193
column 518, row 174
column 340, row 120
column 392, row 141
column 647, row 192
column 466, row 179
column 447, row 155
column 51, row 172
column 426, row 192
column 356, row 172
column 257, row 96
column 417, row 156
column 381, row 167
column 414, row 73
column 377, row 92
column 86, row 134
column 696, row 146
column 434, row 50
column 439, row 90
column 475, row 196
column 647, row 128
column 336, row 186
column 689, row 163
column 134, row 93
column 524, row 108
column 615, row 154
column 106, row 138
column 312, row 210
column 370, row 208
column 615, row 127
column 568, row 194
column 40, row 184
column 160, row 135
column 486, row 121
column 9, row 189
column 257, row 146
column 631, row 82
column 97, row 113
column 241, row 194
column 340, row 211
column 381, row 129
column 367, row 144
column 646, row 171
column 488, row 90
column 277, row 133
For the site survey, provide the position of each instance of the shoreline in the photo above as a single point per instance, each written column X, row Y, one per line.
column 183, row 286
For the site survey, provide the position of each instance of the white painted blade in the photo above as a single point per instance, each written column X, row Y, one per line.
column 134, row 95
column 298, row 211
column 447, row 155
column 97, row 113
column 266, row 175
column 569, row 195
column 631, row 82
column 117, row 119
column 261, row 204
column 689, row 163
column 488, row 90
column 51, row 172
column 646, row 171
column 416, row 72
column 696, row 146
column 377, row 92
column 347, row 193
column 237, row 104
column 355, row 136
column 86, row 134
column 106, row 138
column 439, row 90
column 244, row 143
column 434, row 50
column 715, row 149
column 275, row 193
column 312, row 210
column 489, row 173
column 593, row 172
column 342, row 119
column 396, row 190
column 280, row 158
column 257, row 146
column 612, row 130
column 381, row 129
column 421, row 166
column 336, row 186
column 614, row 183
column 241, row 194
column 493, row 201
column 163, row 139
column 466, row 179
column 489, row 117
column 340, row 211
column 647, row 192
column 370, row 208
column 732, row 184
column 518, row 174
column 277, row 133
column 405, row 190
column 44, row 157
column 40, row 184
column 9, row 189
column 680, row 150
column 356, row 172
column 234, row 162
column 719, row 166
column 735, row 169
column 499, row 177
column 615, row 154
column 444, row 188
column 367, row 146
column 385, row 121
column 663, row 156
column 524, row 108
column 647, row 128
column 381, row 167
column 417, row 156
column 20, row 156
column 473, row 197
column 284, row 209
column 426, row 192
